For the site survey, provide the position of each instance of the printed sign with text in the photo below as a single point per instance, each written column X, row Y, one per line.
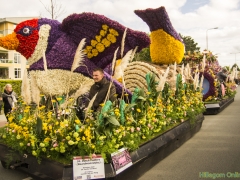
column 87, row 168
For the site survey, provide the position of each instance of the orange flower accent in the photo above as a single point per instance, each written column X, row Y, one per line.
column 9, row 42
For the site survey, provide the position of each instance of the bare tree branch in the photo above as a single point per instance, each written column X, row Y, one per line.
column 54, row 9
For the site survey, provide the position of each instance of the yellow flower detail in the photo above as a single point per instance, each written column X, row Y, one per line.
column 98, row 38
column 105, row 27
column 59, row 99
column 100, row 47
column 111, row 38
column 89, row 48
column 95, row 52
column 89, row 55
column 77, row 121
column 138, row 110
column 114, row 32
column 103, row 33
column 47, row 139
column 94, row 43
column 165, row 49
column 45, row 126
column 106, row 42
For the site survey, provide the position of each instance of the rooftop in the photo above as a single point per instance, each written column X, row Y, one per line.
column 15, row 20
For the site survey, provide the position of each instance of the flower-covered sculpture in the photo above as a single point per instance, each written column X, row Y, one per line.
column 59, row 41
column 38, row 38
column 166, row 45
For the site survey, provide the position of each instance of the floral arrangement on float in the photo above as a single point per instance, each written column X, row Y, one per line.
column 61, row 135
column 151, row 100
column 196, row 58
column 213, row 91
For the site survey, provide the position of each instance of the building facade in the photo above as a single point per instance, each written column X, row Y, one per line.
column 12, row 63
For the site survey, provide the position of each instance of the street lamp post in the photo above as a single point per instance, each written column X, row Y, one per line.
column 235, row 56
column 207, row 36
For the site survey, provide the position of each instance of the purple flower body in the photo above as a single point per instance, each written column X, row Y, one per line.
column 158, row 19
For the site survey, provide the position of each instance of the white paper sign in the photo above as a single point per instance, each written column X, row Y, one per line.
column 87, row 168
column 121, row 160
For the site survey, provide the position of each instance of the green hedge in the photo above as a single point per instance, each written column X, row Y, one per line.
column 16, row 85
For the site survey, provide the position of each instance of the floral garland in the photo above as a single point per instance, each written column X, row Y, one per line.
column 212, row 89
column 106, row 37
column 197, row 57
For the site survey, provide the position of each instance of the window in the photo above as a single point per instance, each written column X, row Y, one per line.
column 17, row 72
column 17, row 58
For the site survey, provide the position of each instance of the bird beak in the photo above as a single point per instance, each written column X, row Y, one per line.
column 9, row 42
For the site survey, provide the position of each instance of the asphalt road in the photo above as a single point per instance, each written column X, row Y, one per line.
column 213, row 153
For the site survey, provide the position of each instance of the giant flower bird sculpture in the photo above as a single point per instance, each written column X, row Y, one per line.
column 59, row 41
column 51, row 45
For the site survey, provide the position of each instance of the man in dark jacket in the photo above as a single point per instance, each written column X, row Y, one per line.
column 101, row 87
column 222, row 75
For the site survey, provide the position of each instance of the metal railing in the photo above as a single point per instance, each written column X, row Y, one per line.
column 6, row 61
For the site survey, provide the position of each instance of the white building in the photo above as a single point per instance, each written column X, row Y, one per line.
column 12, row 63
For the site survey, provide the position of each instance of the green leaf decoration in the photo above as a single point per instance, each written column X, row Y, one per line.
column 148, row 79
column 39, row 125
column 135, row 95
column 77, row 128
column 122, row 108
column 62, row 100
column 113, row 120
column 105, row 108
column 141, row 98
column 129, row 107
column 20, row 117
column 179, row 76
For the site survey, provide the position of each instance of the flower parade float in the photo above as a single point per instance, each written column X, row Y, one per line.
column 156, row 112
column 216, row 96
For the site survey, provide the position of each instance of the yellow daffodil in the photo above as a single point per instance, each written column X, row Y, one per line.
column 138, row 110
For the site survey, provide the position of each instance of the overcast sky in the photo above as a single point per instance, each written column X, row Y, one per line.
column 189, row 17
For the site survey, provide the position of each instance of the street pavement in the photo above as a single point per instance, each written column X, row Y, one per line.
column 213, row 153
column 3, row 120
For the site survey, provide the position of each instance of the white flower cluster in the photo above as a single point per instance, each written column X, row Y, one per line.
column 54, row 81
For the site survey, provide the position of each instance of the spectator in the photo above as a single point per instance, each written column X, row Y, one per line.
column 1, row 102
column 9, row 97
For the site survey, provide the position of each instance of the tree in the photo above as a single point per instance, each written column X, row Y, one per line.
column 54, row 9
column 190, row 45
column 235, row 65
column 143, row 55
